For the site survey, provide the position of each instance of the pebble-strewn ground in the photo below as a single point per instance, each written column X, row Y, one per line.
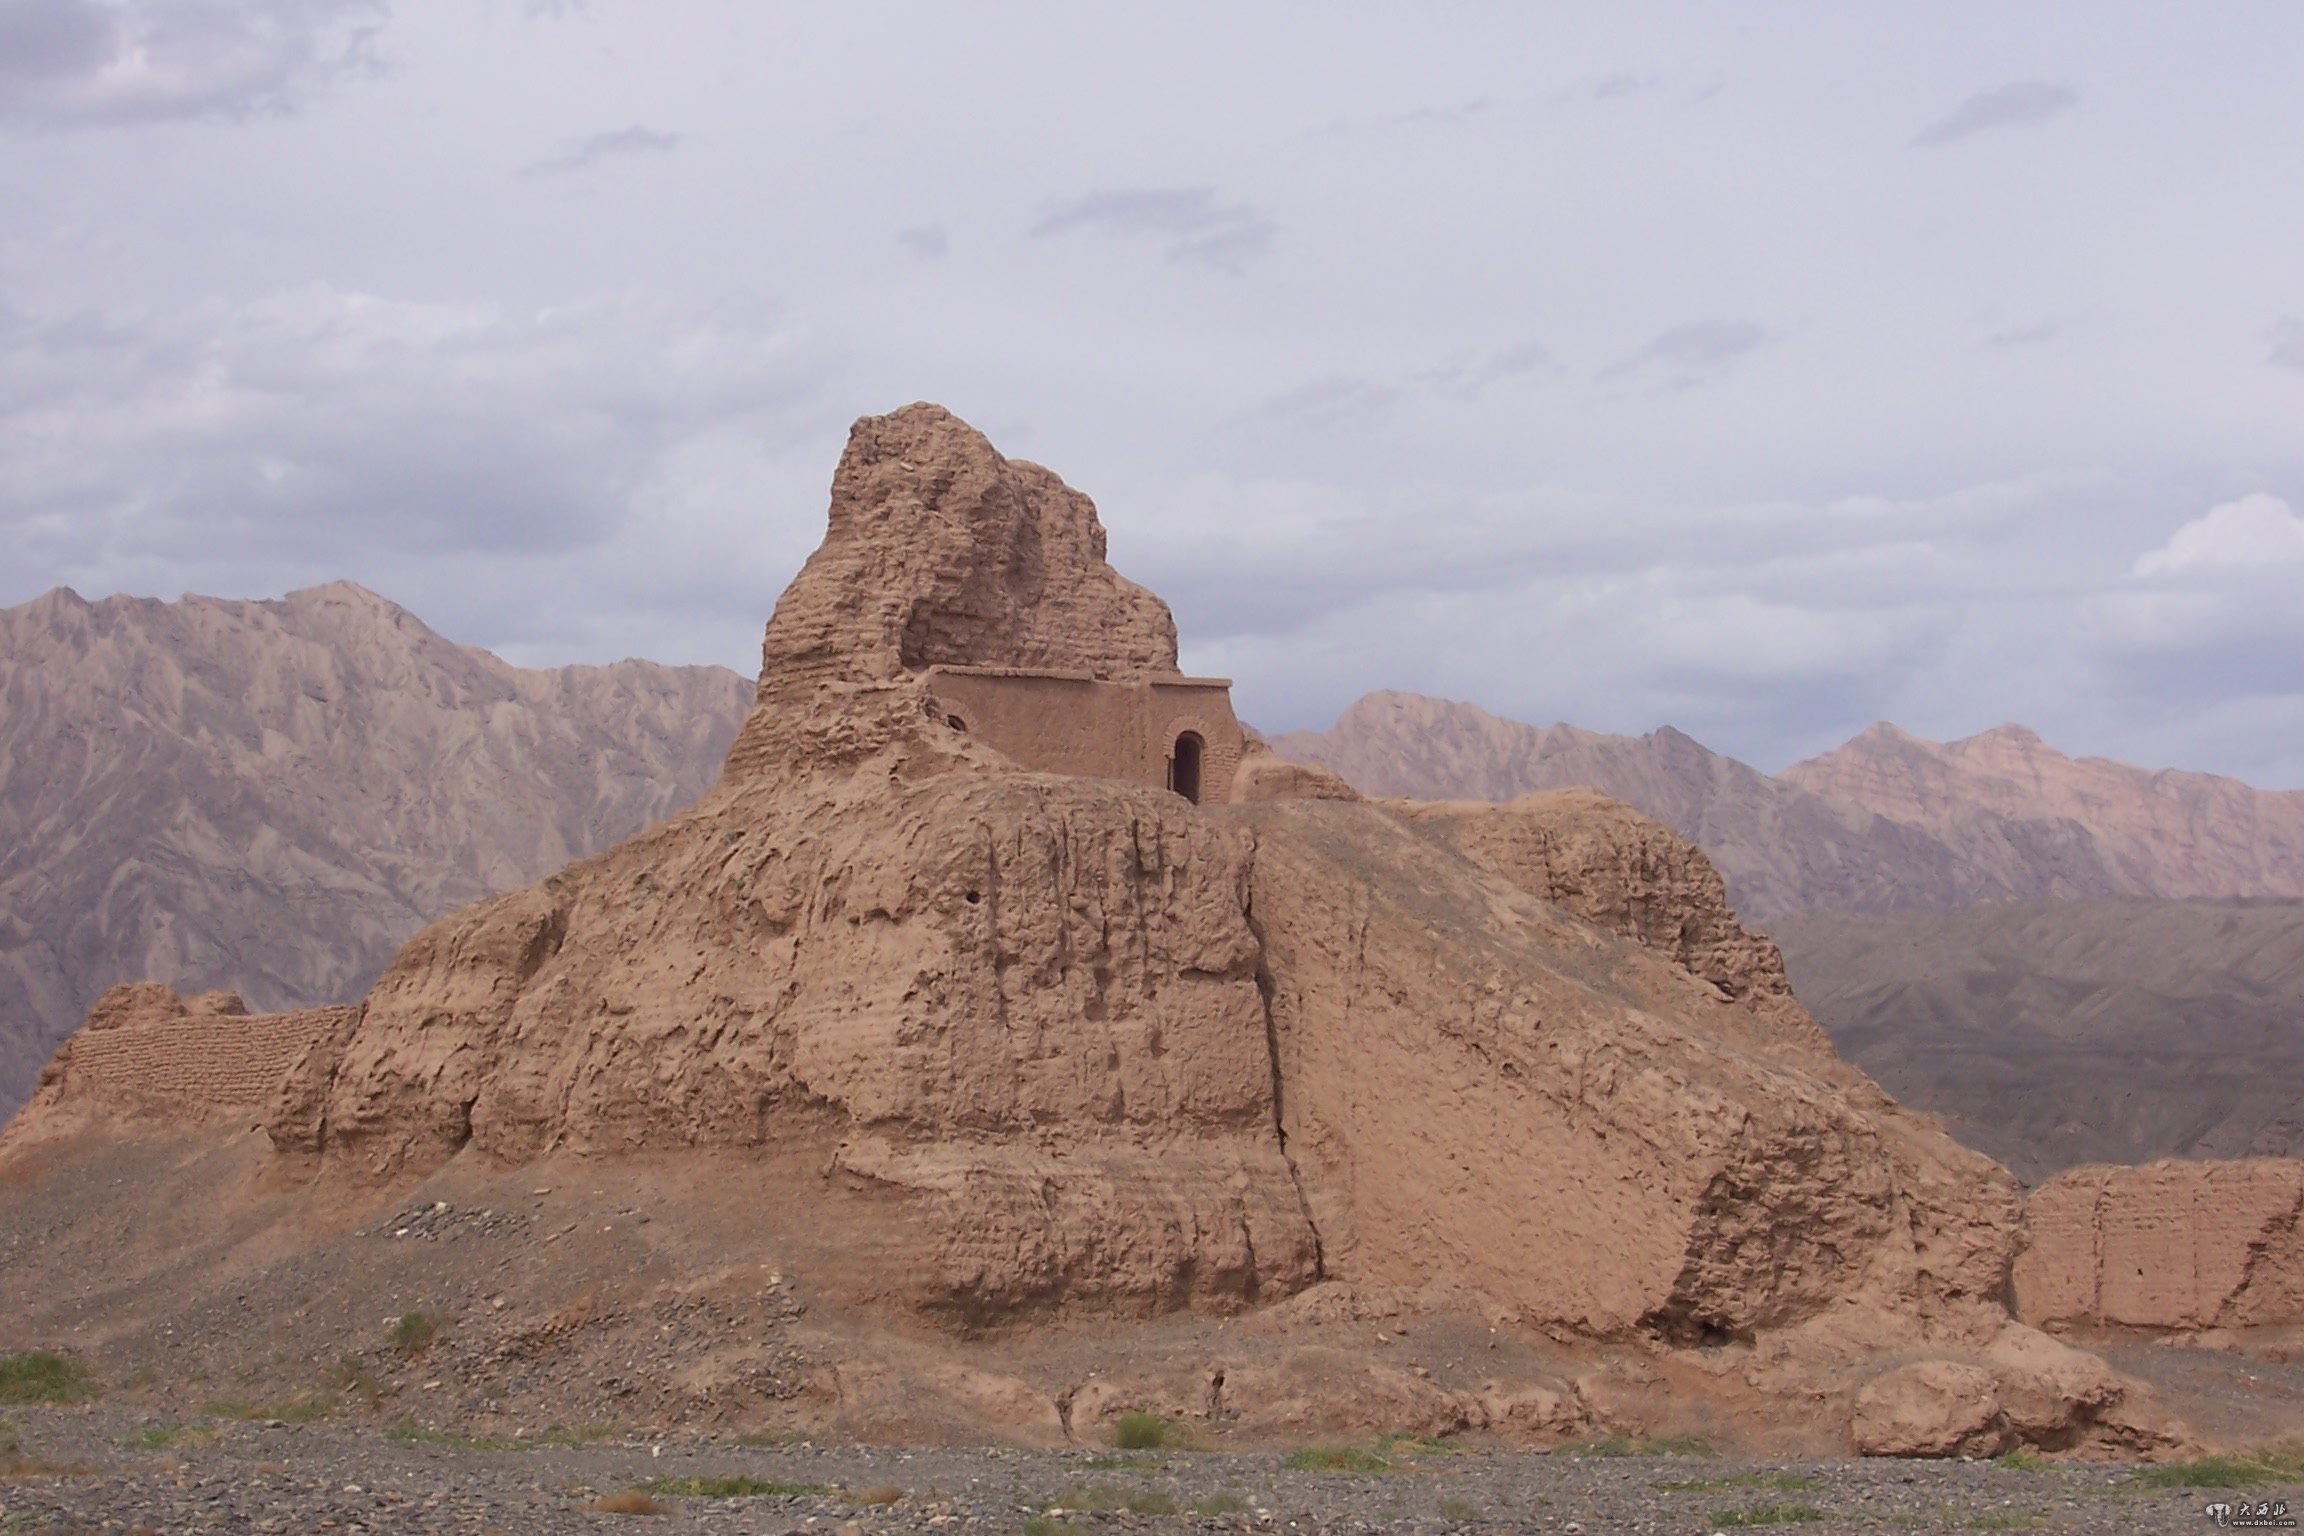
column 109, row 1470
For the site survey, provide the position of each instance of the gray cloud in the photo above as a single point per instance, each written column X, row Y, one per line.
column 318, row 433
column 927, row 241
column 73, row 63
column 2024, row 336
column 1618, row 86
column 635, row 142
column 1688, row 354
column 1196, row 226
column 2288, row 344
column 1470, row 381
column 2014, row 105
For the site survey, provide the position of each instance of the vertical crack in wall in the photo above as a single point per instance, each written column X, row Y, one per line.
column 1266, row 986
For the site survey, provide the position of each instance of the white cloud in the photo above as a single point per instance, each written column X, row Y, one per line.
column 2253, row 531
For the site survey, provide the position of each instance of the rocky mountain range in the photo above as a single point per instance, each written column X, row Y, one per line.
column 274, row 796
column 1887, row 822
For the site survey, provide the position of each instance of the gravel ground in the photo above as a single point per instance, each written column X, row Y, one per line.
column 101, row 1469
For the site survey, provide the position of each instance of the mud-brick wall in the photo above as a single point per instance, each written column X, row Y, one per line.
column 2167, row 1246
column 192, row 1065
column 1078, row 724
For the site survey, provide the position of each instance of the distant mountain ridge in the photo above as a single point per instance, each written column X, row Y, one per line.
column 273, row 796
column 2056, row 1033
column 1887, row 822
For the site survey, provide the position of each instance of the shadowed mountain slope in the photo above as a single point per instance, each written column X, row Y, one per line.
column 2057, row 1033
column 273, row 796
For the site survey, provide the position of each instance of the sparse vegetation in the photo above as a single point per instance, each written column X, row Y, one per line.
column 302, row 1409
column 158, row 1437
column 1457, row 1509
column 1226, row 1503
column 1140, row 1431
column 1049, row 1525
column 1780, row 1482
column 1636, row 1445
column 632, row 1501
column 41, row 1377
column 408, row 1432
column 1335, row 1458
column 1766, row 1514
column 1125, row 1461
column 353, row 1376
column 728, row 1487
column 2273, row 1464
column 1417, row 1445
column 416, row 1331
column 1999, row 1521
column 1104, row 1498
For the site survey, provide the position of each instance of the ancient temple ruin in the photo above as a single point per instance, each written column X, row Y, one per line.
column 1170, row 730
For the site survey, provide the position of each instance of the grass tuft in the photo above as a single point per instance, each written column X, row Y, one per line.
column 41, row 1377
column 1781, row 1482
column 354, row 1377
column 416, row 1331
column 296, row 1410
column 1636, row 1445
column 1766, row 1514
column 1136, row 1430
column 2273, row 1464
column 1457, row 1509
column 728, row 1488
column 1417, row 1445
column 1335, row 1458
column 2022, row 1459
column 408, row 1432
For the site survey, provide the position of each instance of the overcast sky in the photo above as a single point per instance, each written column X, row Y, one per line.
column 1619, row 365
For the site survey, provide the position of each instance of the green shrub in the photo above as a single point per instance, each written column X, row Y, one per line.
column 2279, row 1464
column 296, row 1410
column 1139, row 1431
column 1767, row 1514
column 1782, row 1482
column 41, row 1377
column 415, row 1331
column 726, row 1488
column 1335, row 1458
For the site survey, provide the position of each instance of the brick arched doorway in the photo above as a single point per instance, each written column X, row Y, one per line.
column 1184, row 765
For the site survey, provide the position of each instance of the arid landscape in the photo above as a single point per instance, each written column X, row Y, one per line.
column 1554, row 783
column 1283, row 1159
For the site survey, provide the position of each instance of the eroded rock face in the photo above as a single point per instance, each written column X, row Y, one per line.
column 937, row 551
column 2171, row 1245
column 1607, row 863
column 1471, row 1084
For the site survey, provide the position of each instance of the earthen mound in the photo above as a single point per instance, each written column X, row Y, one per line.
column 1056, row 1045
